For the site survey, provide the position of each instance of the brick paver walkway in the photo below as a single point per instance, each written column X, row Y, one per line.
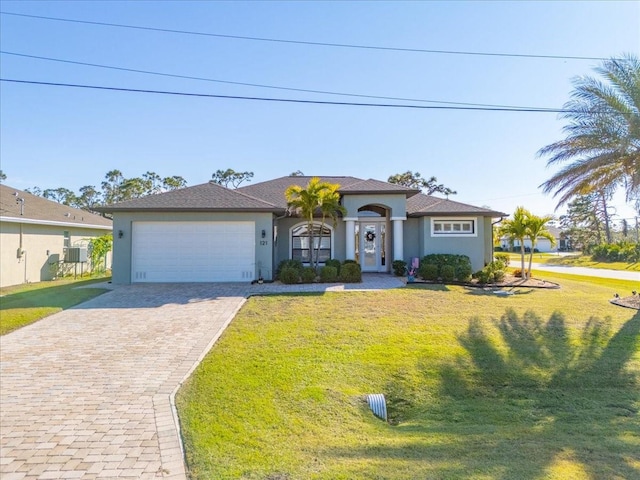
column 87, row 393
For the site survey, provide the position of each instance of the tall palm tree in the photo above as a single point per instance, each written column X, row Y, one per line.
column 602, row 148
column 537, row 228
column 516, row 229
column 329, row 209
column 317, row 196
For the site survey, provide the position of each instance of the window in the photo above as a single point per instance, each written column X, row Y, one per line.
column 300, row 243
column 463, row 227
column 67, row 239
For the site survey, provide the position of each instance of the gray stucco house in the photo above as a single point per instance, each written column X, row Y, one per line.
column 209, row 233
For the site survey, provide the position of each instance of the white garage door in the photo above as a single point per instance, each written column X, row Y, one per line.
column 193, row 252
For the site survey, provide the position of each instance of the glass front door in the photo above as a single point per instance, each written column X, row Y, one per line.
column 372, row 242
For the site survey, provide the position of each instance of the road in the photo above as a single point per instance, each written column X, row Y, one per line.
column 588, row 272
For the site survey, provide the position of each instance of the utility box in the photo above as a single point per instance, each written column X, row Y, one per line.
column 76, row 255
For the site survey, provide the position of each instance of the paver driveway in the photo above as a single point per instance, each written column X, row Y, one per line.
column 86, row 393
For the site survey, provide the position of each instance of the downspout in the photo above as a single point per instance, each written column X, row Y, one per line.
column 492, row 225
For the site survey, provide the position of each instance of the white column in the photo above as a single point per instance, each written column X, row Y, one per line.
column 398, row 241
column 350, row 242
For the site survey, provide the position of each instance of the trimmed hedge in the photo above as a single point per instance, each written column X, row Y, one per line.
column 328, row 274
column 308, row 275
column 333, row 263
column 448, row 273
column 428, row 271
column 289, row 275
column 399, row 267
column 295, row 264
column 350, row 272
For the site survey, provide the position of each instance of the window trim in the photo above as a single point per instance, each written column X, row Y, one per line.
column 454, row 220
column 318, row 224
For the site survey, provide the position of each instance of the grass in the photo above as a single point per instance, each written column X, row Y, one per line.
column 574, row 261
column 21, row 305
column 543, row 384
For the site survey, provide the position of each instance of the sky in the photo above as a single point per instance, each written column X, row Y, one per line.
column 54, row 136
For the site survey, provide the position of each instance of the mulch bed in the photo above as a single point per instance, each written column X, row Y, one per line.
column 628, row 302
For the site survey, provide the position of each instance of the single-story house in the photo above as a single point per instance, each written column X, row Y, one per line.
column 209, row 233
column 542, row 244
column 36, row 235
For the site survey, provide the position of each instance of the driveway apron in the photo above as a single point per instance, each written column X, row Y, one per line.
column 86, row 393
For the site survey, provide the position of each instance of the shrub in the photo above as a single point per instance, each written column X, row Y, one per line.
column 494, row 272
column 448, row 273
column 497, row 249
column 616, row 252
column 428, row 271
column 483, row 276
column 351, row 272
column 308, row 275
column 399, row 267
column 442, row 259
column 463, row 273
column 350, row 261
column 518, row 272
column 295, row 264
column 502, row 257
column 333, row 263
column 289, row 275
column 328, row 274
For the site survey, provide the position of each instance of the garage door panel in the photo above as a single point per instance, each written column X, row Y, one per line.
column 193, row 251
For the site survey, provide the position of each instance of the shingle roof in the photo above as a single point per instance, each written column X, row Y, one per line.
column 206, row 197
column 421, row 205
column 273, row 190
column 37, row 209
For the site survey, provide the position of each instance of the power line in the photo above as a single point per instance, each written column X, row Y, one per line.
column 324, row 92
column 303, row 42
column 286, row 100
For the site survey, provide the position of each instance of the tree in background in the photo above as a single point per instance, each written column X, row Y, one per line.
column 602, row 149
column 297, row 173
column 115, row 188
column 231, row 177
column 586, row 221
column 415, row 180
column 3, row 176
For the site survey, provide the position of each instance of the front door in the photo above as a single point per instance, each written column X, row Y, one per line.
column 372, row 254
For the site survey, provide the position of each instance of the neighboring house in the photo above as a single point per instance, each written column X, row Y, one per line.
column 208, row 233
column 35, row 234
column 542, row 244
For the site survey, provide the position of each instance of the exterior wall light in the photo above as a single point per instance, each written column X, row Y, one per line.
column 264, row 233
column 120, row 234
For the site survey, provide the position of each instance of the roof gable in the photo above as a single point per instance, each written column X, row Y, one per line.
column 207, row 197
column 421, row 205
column 37, row 209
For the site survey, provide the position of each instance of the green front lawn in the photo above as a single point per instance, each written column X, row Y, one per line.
column 574, row 261
column 542, row 384
column 21, row 305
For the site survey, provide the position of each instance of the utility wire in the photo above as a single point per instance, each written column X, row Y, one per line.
column 302, row 42
column 287, row 100
column 324, row 92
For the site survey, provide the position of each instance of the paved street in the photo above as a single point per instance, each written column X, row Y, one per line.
column 87, row 393
column 588, row 272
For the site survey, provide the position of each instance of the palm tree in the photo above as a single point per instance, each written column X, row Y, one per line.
column 602, row 149
column 306, row 201
column 537, row 228
column 329, row 209
column 516, row 229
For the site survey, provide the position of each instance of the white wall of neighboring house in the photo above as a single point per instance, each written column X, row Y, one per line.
column 40, row 247
column 542, row 244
